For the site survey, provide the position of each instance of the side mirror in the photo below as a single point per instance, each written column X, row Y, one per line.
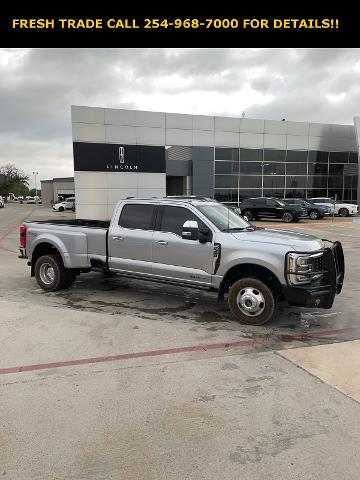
column 190, row 230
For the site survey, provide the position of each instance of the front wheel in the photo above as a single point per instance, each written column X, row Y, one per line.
column 251, row 301
column 314, row 214
column 287, row 217
column 343, row 212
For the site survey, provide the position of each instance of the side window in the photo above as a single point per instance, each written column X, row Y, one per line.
column 173, row 218
column 257, row 202
column 137, row 216
column 271, row 203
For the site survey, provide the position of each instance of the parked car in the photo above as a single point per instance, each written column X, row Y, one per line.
column 30, row 200
column 265, row 207
column 2, row 202
column 314, row 211
column 339, row 208
column 189, row 242
column 67, row 204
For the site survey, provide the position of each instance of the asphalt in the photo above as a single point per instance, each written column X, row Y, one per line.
column 124, row 379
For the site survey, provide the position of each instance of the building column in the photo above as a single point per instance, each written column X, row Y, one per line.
column 357, row 131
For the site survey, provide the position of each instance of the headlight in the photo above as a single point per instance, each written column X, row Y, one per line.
column 303, row 268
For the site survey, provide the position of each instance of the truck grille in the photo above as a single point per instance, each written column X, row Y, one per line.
column 318, row 264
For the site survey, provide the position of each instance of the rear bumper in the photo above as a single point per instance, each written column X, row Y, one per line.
column 322, row 295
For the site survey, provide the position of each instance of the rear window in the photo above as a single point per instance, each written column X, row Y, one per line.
column 137, row 216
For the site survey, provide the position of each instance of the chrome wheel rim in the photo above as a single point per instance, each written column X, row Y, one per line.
column 287, row 217
column 250, row 301
column 47, row 273
column 313, row 215
column 247, row 216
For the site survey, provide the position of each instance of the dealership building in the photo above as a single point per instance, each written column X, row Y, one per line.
column 129, row 153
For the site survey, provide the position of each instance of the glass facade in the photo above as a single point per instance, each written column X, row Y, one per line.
column 244, row 172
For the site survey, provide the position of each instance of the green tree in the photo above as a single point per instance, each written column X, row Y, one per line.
column 12, row 180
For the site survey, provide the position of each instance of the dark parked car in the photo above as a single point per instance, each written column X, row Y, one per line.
column 314, row 211
column 256, row 208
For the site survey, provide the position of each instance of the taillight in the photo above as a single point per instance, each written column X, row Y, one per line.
column 23, row 236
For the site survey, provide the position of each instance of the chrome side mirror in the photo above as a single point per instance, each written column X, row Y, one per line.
column 190, row 230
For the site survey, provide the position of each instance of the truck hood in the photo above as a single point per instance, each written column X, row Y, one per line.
column 297, row 241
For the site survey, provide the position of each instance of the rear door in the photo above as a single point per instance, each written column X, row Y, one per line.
column 177, row 258
column 130, row 241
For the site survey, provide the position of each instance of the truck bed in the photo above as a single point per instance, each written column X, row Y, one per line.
column 78, row 222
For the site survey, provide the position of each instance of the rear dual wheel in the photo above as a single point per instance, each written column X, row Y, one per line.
column 51, row 275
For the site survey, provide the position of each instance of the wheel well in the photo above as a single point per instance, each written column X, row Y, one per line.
column 40, row 250
column 250, row 270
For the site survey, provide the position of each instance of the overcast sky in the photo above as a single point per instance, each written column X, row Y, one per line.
column 38, row 86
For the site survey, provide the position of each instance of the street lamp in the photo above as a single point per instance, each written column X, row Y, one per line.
column 35, row 174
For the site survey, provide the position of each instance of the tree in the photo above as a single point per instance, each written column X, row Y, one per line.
column 12, row 180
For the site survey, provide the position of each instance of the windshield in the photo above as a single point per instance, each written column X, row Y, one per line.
column 281, row 203
column 223, row 217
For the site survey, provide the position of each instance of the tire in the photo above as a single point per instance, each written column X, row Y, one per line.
column 50, row 273
column 343, row 212
column 61, row 209
column 248, row 215
column 287, row 217
column 248, row 293
column 314, row 215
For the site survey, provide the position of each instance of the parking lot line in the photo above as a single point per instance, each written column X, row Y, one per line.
column 177, row 350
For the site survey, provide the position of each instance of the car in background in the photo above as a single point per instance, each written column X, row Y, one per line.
column 315, row 211
column 338, row 208
column 2, row 202
column 268, row 207
column 235, row 209
column 32, row 200
column 68, row 204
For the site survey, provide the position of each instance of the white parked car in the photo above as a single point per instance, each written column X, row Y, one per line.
column 2, row 202
column 338, row 208
column 67, row 204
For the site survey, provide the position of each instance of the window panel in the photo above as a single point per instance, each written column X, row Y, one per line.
column 250, row 181
column 274, row 168
column 339, row 157
column 274, row 155
column 272, row 192
column 137, row 216
column 336, row 169
column 226, row 181
column 318, row 157
column 247, row 193
column 227, row 154
column 296, row 168
column 296, row 156
column 335, row 182
column 251, row 155
column 173, row 218
column 250, row 168
column 295, row 182
column 317, row 193
column 295, row 193
column 226, row 195
column 317, row 169
column 226, row 167
column 353, row 157
column 317, row 182
column 274, row 181
column 337, row 192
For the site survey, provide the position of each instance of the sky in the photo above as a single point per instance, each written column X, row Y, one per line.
column 38, row 86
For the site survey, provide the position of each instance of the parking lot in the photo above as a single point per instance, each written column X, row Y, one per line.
column 125, row 379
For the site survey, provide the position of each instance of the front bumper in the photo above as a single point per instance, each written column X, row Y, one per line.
column 322, row 294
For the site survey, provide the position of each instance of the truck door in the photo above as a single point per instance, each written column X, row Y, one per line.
column 175, row 257
column 130, row 241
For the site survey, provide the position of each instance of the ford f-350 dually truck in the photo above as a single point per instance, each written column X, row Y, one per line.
column 190, row 241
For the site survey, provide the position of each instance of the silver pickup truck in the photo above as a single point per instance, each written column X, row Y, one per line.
column 190, row 241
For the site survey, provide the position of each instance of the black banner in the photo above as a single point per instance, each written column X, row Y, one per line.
column 110, row 157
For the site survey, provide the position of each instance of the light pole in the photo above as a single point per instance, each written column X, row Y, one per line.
column 35, row 174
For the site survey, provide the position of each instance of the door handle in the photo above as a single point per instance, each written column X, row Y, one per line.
column 118, row 239
column 162, row 242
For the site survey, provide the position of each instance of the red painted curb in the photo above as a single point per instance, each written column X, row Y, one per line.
column 171, row 351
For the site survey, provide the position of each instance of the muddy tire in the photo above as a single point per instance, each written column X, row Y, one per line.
column 50, row 273
column 251, row 301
